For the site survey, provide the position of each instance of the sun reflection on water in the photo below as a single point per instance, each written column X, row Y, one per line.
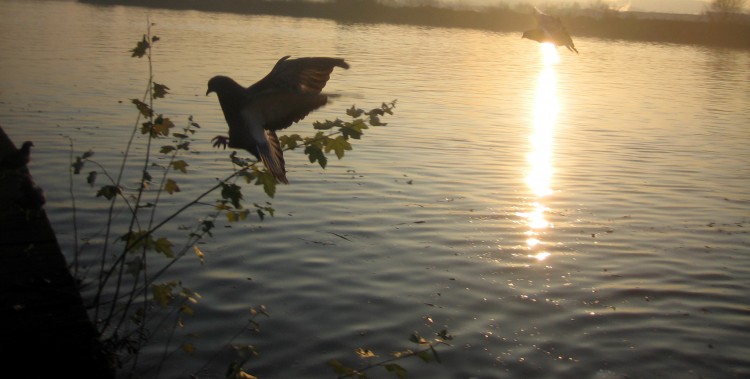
column 539, row 178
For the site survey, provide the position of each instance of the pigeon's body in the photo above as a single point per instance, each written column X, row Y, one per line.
column 286, row 95
column 550, row 29
column 18, row 158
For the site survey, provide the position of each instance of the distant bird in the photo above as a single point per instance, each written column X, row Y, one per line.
column 17, row 159
column 286, row 95
column 550, row 29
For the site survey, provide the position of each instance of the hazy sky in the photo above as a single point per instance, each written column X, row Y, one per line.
column 670, row 6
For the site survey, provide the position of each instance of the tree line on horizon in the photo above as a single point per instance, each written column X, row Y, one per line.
column 723, row 23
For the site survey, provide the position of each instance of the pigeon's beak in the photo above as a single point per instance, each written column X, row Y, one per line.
column 208, row 91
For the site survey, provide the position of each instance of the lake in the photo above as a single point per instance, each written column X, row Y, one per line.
column 561, row 215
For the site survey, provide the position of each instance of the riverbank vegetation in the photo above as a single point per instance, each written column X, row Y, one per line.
column 594, row 20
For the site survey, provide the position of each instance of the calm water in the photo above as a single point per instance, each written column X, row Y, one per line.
column 585, row 219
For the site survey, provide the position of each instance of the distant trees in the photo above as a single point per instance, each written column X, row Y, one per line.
column 725, row 10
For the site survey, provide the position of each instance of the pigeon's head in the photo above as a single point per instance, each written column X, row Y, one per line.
column 220, row 84
column 27, row 145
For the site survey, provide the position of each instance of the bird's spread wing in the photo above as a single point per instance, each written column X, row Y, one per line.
column 280, row 109
column 308, row 75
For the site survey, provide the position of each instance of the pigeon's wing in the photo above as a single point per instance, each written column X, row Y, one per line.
column 282, row 108
column 308, row 75
column 265, row 142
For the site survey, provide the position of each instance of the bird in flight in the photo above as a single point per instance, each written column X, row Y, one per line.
column 550, row 29
column 285, row 96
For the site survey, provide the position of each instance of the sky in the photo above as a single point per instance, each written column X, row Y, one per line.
column 667, row 6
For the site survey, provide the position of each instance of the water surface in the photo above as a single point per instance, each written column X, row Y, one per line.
column 583, row 219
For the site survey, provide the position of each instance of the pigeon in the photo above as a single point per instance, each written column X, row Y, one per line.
column 550, row 29
column 17, row 159
column 285, row 96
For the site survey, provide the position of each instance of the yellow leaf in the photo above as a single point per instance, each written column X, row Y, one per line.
column 188, row 347
column 199, row 253
column 171, row 186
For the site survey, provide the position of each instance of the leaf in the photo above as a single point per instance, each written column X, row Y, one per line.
column 314, row 153
column 188, row 347
column 77, row 166
column 91, row 179
column 444, row 335
column 416, row 338
column 267, row 180
column 396, row 369
column 87, row 154
column 354, row 112
column 199, row 253
column 180, row 165
column 365, row 353
column 338, row 145
column 290, row 142
column 340, row 369
column 134, row 266
column 162, row 293
column 354, row 129
column 171, row 186
column 233, row 193
column 140, row 48
column 425, row 356
column 162, row 126
column 162, row 245
column 435, row 354
column 109, row 192
column 143, row 108
column 167, row 149
column 160, row 90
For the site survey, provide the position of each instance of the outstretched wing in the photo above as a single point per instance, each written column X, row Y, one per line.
column 279, row 109
column 307, row 75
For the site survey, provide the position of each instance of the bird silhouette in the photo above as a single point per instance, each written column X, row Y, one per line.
column 17, row 159
column 285, row 96
column 550, row 29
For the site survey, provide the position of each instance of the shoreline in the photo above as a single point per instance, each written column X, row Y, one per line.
column 609, row 25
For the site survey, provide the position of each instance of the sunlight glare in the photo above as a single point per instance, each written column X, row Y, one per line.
column 539, row 178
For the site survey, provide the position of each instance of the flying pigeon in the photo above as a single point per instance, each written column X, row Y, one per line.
column 550, row 29
column 285, row 96
column 17, row 159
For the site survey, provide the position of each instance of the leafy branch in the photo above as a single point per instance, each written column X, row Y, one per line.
column 426, row 352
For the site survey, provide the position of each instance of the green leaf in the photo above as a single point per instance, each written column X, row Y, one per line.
column 435, row 354
column 87, row 154
column 171, row 186
column 77, row 166
column 233, row 193
column 109, row 192
column 162, row 293
column 91, row 179
column 315, row 153
column 141, row 48
column 162, row 126
column 354, row 112
column 338, row 145
column 425, row 356
column 134, row 266
column 267, row 180
column 162, row 245
column 143, row 108
column 354, row 129
column 167, row 149
column 290, row 142
column 180, row 165
column 160, row 90
column 396, row 369
column 340, row 369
